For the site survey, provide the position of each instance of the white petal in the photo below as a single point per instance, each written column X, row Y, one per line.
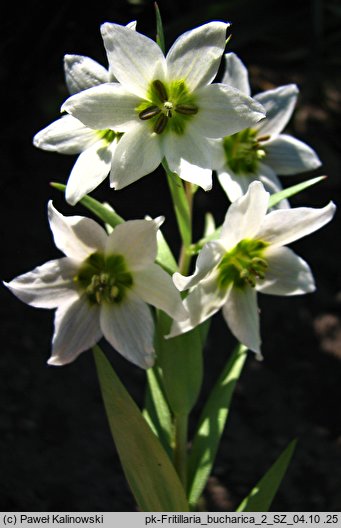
column 236, row 74
column 245, row 216
column 135, row 59
column 287, row 273
column 202, row 302
column 272, row 184
column 82, row 73
column 269, row 179
column 224, row 110
column 279, row 105
column 67, row 135
column 234, row 186
column 104, row 106
column 90, row 169
column 189, row 153
column 155, row 287
column 287, row 155
column 218, row 153
column 47, row 286
column 76, row 236
column 76, row 330
column 287, row 225
column 207, row 259
column 131, row 25
column 194, row 174
column 129, row 328
column 138, row 153
column 136, row 241
column 241, row 314
column 195, row 56
column 191, row 146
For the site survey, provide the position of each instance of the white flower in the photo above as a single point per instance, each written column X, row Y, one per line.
column 101, row 287
column 249, row 257
column 261, row 151
column 68, row 135
column 166, row 106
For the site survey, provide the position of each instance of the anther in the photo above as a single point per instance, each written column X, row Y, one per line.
column 187, row 109
column 264, row 138
column 98, row 295
column 160, row 90
column 149, row 112
column 160, row 124
column 114, row 292
column 259, row 262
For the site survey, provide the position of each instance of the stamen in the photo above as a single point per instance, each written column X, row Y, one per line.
column 104, row 279
column 160, row 124
column 186, row 109
column 149, row 112
column 160, row 90
column 264, row 138
column 114, row 292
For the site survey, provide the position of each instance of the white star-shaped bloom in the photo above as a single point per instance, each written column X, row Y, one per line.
column 261, row 152
column 68, row 135
column 102, row 287
column 165, row 106
column 249, row 257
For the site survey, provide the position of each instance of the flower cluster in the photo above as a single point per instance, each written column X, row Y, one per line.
column 147, row 109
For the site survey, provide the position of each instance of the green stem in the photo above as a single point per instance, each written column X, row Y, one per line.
column 183, row 204
column 185, row 253
column 180, row 448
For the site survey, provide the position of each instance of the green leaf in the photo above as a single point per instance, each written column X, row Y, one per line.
column 148, row 469
column 108, row 216
column 294, row 189
column 165, row 256
column 211, row 425
column 262, row 495
column 157, row 411
column 160, row 37
column 182, row 210
column 181, row 363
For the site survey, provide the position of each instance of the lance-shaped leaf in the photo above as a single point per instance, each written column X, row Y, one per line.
column 149, row 472
column 157, row 411
column 165, row 256
column 107, row 215
column 181, row 363
column 160, row 37
column 262, row 495
column 291, row 191
column 211, row 425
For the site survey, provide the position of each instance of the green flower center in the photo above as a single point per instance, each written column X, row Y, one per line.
column 169, row 107
column 109, row 135
column 243, row 265
column 104, row 278
column 244, row 151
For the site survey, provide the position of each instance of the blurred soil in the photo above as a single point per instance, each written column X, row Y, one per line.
column 55, row 445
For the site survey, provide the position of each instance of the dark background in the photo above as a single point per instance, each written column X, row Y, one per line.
column 56, row 449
